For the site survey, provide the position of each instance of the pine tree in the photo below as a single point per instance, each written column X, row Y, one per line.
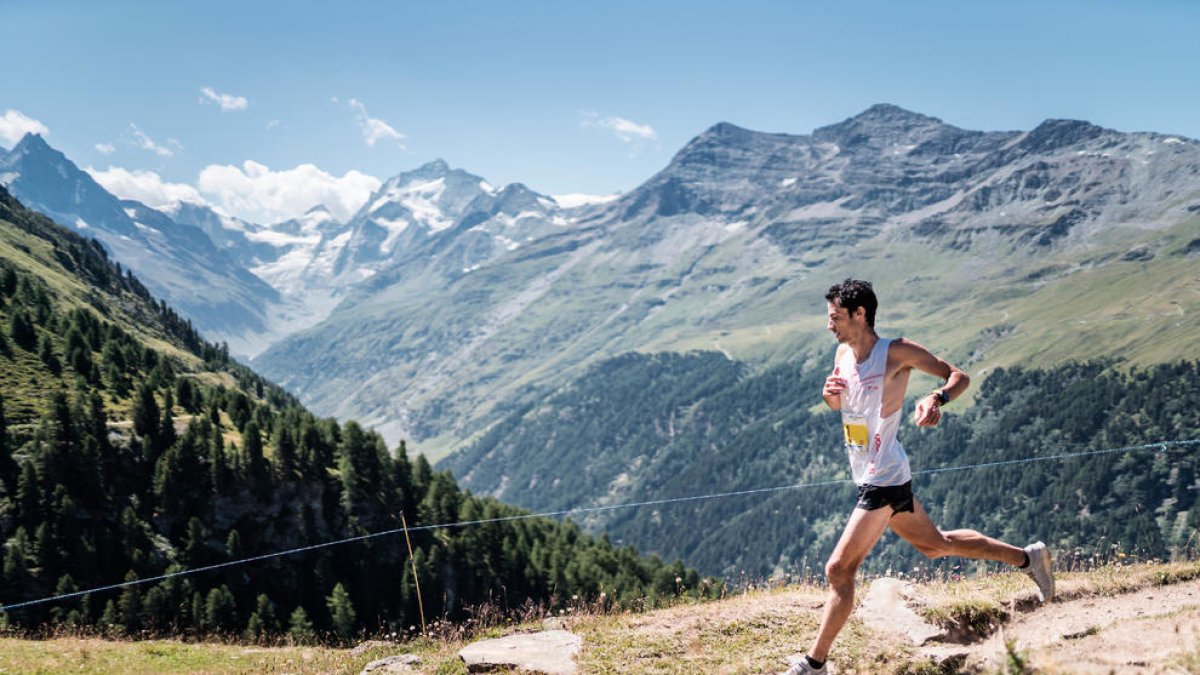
column 300, row 629
column 145, row 412
column 195, row 546
column 29, row 495
column 198, row 610
column 220, row 611
column 262, row 622
column 285, row 449
column 233, row 545
column 8, row 467
column 46, row 354
column 256, row 463
column 341, row 611
column 78, row 352
column 20, row 328
column 110, row 620
column 129, row 605
column 17, row 560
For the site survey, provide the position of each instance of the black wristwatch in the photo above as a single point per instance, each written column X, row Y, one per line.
column 942, row 398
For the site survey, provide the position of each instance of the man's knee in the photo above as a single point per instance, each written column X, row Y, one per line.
column 840, row 572
column 939, row 547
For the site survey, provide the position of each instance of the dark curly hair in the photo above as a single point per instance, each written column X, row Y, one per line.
column 852, row 294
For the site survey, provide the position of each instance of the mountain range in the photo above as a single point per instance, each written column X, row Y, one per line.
column 730, row 248
column 510, row 333
column 445, row 301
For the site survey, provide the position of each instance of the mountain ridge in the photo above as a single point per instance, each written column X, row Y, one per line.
column 724, row 245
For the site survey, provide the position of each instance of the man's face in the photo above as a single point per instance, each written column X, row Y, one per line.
column 841, row 324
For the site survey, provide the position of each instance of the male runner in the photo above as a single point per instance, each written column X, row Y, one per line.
column 870, row 375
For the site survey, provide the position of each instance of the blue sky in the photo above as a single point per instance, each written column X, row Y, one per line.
column 563, row 96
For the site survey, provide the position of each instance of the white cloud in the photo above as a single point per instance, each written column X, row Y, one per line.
column 255, row 193
column 105, row 149
column 146, row 143
column 14, row 125
column 146, row 187
column 228, row 102
column 626, row 130
column 373, row 129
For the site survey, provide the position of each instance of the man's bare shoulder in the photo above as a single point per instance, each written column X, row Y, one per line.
column 903, row 350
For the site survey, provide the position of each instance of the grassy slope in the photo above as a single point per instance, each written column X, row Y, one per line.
column 25, row 382
column 750, row 632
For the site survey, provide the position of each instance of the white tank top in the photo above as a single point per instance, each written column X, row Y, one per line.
column 876, row 457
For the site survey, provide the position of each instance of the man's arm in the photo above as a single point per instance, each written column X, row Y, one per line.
column 928, row 410
column 834, row 385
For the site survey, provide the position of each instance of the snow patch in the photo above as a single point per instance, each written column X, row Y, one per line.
column 420, row 199
column 576, row 199
column 230, row 223
column 81, row 224
column 507, row 243
column 1172, row 141
column 131, row 213
column 787, row 182
column 145, row 228
column 281, row 239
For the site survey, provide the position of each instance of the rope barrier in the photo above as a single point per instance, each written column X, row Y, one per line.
column 1162, row 445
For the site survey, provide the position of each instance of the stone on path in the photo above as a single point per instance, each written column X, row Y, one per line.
column 403, row 663
column 552, row 652
column 885, row 608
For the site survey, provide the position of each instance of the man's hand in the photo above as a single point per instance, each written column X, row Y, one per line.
column 927, row 412
column 834, row 386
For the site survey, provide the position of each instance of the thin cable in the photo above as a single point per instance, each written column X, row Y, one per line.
column 1162, row 445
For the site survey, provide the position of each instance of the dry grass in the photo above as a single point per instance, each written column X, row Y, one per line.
column 752, row 631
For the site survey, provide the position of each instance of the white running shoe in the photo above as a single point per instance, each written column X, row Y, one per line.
column 1041, row 570
column 801, row 667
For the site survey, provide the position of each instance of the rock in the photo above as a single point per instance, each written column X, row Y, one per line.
column 555, row 623
column 552, row 652
column 884, row 608
column 367, row 646
column 402, row 663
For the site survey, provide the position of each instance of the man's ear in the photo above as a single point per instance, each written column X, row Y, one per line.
column 860, row 312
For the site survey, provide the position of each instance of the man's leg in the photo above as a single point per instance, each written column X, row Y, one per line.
column 861, row 533
column 918, row 529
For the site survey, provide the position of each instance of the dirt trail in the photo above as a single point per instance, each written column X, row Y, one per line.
column 1146, row 631
column 1097, row 626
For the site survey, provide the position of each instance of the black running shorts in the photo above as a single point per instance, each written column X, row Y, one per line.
column 899, row 497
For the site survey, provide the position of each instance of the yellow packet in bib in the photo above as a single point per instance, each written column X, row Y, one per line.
column 854, row 426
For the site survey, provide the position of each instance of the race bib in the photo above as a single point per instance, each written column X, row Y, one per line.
column 854, row 426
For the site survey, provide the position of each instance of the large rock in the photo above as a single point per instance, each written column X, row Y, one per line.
column 885, row 608
column 402, row 663
column 552, row 652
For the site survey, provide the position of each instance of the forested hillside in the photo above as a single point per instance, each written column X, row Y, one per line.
column 132, row 448
column 628, row 434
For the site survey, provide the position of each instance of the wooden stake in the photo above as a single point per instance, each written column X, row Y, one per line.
column 416, row 579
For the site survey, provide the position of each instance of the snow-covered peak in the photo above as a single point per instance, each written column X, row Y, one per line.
column 431, row 197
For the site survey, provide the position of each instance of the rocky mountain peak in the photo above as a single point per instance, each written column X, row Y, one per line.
column 34, row 143
column 1057, row 133
column 881, row 125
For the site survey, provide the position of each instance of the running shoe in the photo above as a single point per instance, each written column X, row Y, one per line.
column 801, row 667
column 1041, row 570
